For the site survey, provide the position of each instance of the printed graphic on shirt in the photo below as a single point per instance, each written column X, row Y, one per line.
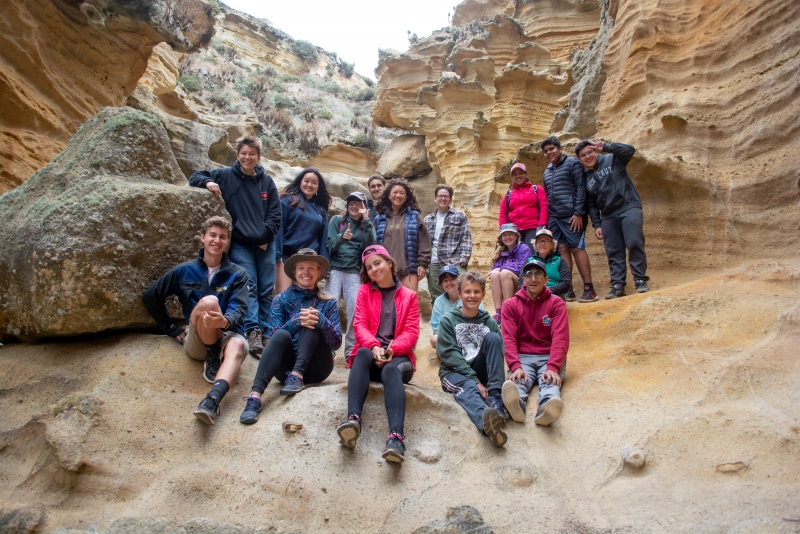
column 546, row 320
column 469, row 337
column 264, row 195
column 220, row 289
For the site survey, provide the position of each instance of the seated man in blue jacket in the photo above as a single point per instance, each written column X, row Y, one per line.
column 213, row 293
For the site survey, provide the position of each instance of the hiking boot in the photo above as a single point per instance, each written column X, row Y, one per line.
column 349, row 431
column 213, row 363
column 493, row 424
column 395, row 449
column 251, row 409
column 549, row 410
column 589, row 295
column 617, row 290
column 254, row 340
column 570, row 296
column 293, row 384
column 641, row 286
column 496, row 402
column 513, row 403
column 207, row 410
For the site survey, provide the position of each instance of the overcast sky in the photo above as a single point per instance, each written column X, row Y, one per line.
column 354, row 29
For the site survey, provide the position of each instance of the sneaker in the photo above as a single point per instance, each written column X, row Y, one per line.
column 251, row 409
column 493, row 424
column 349, row 431
column 213, row 363
column 254, row 340
column 207, row 410
column 513, row 403
column 496, row 317
column 617, row 290
column 395, row 449
column 641, row 286
column 590, row 295
column 293, row 384
column 570, row 296
column 549, row 410
column 496, row 402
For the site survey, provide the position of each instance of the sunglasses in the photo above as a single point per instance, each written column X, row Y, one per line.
column 533, row 273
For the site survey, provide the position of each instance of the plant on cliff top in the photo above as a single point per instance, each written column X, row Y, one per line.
column 190, row 83
column 306, row 50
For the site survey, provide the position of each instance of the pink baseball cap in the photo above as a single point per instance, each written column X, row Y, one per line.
column 518, row 166
column 374, row 250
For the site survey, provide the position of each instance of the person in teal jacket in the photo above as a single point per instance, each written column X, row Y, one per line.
column 559, row 279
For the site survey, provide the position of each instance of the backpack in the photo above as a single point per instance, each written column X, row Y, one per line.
column 508, row 200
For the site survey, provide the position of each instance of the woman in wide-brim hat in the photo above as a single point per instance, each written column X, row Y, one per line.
column 304, row 331
column 509, row 257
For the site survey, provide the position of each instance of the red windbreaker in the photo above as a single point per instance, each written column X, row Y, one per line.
column 526, row 209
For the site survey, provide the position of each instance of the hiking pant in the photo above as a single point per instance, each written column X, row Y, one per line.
column 488, row 365
column 620, row 232
column 313, row 359
column 392, row 375
column 433, row 279
column 260, row 267
column 534, row 366
column 345, row 285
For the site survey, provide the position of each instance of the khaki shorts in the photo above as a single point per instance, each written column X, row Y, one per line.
column 196, row 349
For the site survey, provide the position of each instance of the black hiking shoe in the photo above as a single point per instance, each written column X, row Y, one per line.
column 570, row 296
column 590, row 295
column 496, row 402
column 251, row 409
column 254, row 339
column 641, row 286
column 213, row 363
column 549, row 410
column 208, row 410
column 513, row 403
column 395, row 448
column 349, row 431
column 493, row 426
column 617, row 291
column 293, row 384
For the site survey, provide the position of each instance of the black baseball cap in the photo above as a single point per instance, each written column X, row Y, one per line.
column 356, row 195
column 533, row 263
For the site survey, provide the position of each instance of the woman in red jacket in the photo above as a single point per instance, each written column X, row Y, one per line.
column 386, row 326
column 525, row 205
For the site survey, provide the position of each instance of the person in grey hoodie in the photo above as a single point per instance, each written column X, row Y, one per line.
column 471, row 352
column 616, row 211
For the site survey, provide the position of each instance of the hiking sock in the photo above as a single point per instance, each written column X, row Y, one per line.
column 219, row 389
column 588, row 287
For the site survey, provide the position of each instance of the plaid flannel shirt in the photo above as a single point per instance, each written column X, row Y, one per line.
column 455, row 242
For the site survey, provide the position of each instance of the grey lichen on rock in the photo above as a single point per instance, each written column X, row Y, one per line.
column 459, row 519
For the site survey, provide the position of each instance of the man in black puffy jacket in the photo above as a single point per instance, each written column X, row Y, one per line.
column 566, row 210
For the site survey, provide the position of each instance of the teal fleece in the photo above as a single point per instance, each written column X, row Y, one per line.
column 456, row 343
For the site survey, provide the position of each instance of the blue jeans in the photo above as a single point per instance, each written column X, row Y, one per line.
column 260, row 267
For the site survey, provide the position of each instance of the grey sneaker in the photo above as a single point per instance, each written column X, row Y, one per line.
column 570, row 296
column 588, row 296
column 549, row 410
column 493, row 426
column 514, row 404
column 349, row 431
column 395, row 449
column 208, row 410
column 293, row 384
column 254, row 340
column 617, row 291
column 641, row 286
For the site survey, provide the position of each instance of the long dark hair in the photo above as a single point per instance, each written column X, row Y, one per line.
column 296, row 197
column 384, row 205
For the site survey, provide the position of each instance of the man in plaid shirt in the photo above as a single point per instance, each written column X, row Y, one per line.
column 450, row 236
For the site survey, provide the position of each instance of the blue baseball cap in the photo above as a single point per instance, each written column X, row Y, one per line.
column 448, row 269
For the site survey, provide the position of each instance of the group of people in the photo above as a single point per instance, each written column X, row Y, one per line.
column 372, row 256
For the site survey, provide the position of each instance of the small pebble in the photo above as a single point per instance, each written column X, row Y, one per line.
column 633, row 457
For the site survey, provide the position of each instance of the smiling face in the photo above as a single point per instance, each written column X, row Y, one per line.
column 376, row 188
column 588, row 157
column 248, row 157
column 379, row 270
column 518, row 176
column 215, row 242
column 552, row 153
column 509, row 239
column 443, row 200
column 534, row 281
column 544, row 245
column 398, row 197
column 450, row 285
column 471, row 297
column 352, row 209
column 309, row 185
column 306, row 274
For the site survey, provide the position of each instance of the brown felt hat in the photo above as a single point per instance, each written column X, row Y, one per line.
column 306, row 254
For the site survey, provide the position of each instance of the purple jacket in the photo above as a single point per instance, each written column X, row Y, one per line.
column 513, row 260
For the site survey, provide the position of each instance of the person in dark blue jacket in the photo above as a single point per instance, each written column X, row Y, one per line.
column 305, row 204
column 251, row 198
column 213, row 293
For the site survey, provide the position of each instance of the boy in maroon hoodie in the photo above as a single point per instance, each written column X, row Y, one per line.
column 536, row 341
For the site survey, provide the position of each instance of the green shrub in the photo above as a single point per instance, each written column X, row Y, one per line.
column 214, row 6
column 325, row 114
column 361, row 140
column 269, row 141
column 347, row 69
column 190, row 83
column 369, row 82
column 307, row 51
column 267, row 71
column 364, row 95
column 329, row 70
column 221, row 99
column 283, row 102
column 289, row 78
column 210, row 59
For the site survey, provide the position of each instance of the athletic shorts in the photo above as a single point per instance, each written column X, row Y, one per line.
column 562, row 233
column 194, row 347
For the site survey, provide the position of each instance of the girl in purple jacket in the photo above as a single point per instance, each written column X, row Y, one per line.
column 509, row 257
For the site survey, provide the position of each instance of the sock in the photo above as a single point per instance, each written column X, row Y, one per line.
column 495, row 393
column 212, row 351
column 588, row 287
column 219, row 389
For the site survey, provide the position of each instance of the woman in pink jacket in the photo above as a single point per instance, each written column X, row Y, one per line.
column 525, row 205
column 386, row 326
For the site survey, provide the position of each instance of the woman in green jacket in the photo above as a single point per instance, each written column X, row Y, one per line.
column 559, row 279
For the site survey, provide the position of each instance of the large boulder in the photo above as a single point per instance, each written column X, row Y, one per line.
column 85, row 235
column 405, row 157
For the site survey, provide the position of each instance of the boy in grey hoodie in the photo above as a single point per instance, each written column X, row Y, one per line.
column 471, row 352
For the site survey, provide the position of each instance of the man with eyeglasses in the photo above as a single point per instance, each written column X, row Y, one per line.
column 450, row 237
column 536, row 340
column 616, row 211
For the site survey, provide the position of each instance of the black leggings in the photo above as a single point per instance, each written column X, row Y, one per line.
column 393, row 375
column 313, row 360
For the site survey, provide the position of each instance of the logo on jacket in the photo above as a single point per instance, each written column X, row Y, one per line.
column 590, row 183
column 546, row 320
column 263, row 196
column 220, row 289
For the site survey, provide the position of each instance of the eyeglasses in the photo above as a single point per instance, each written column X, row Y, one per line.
column 443, row 197
column 534, row 273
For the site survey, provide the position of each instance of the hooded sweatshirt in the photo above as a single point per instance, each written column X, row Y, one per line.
column 346, row 253
column 252, row 201
column 538, row 326
column 302, row 228
column 460, row 339
column 609, row 188
column 524, row 205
